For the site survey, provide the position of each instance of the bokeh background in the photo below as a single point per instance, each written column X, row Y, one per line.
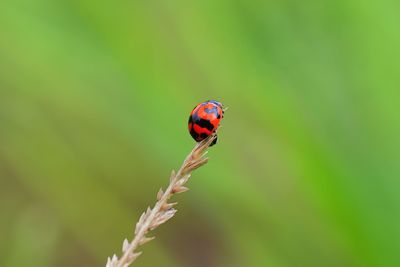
column 94, row 101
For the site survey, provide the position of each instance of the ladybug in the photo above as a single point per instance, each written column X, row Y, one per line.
column 204, row 120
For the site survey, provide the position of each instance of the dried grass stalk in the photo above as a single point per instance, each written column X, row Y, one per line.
column 163, row 210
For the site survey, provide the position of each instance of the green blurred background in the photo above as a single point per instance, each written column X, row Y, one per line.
column 94, row 101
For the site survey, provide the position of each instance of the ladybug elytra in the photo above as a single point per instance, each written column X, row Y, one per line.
column 204, row 120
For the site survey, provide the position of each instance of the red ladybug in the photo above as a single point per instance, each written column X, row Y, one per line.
column 204, row 120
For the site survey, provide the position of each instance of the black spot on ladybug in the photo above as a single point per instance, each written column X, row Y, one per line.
column 205, row 124
column 194, row 134
column 202, row 122
column 203, row 136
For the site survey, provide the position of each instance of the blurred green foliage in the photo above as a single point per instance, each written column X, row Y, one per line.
column 94, row 100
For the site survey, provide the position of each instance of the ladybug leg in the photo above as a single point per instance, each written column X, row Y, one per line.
column 215, row 141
